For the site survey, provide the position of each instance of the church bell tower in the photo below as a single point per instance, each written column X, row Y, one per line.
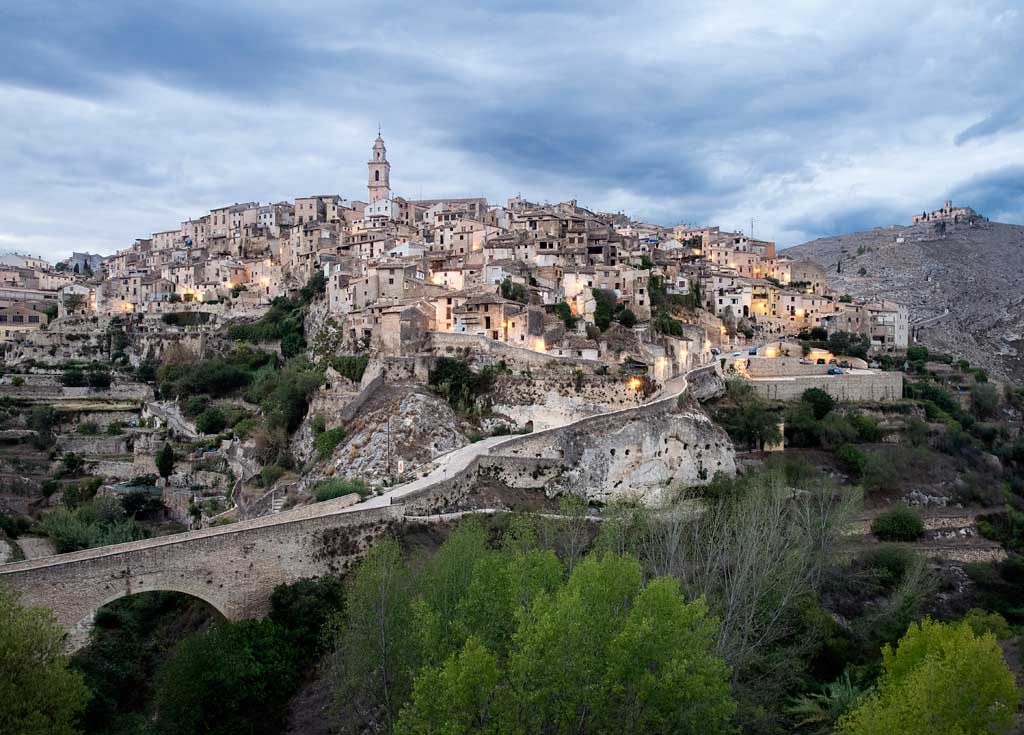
column 379, row 184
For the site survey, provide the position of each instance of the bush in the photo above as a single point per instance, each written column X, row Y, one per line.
column 304, row 607
column 852, row 459
column 866, row 427
column 917, row 353
column 983, row 621
column 232, row 679
column 211, row 421
column 627, row 318
column 898, row 524
column 820, row 401
column 564, row 312
column 327, row 441
column 330, row 489
column 889, row 563
column 351, row 366
column 88, row 428
column 271, row 474
column 984, row 400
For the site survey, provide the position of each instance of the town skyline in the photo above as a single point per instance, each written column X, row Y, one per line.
column 131, row 138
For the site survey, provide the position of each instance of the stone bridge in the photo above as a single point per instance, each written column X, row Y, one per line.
column 235, row 567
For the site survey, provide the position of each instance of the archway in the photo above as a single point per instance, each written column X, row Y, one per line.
column 111, row 610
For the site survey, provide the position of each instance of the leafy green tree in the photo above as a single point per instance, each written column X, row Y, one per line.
column 661, row 673
column 627, row 318
column 514, row 291
column 457, row 698
column 211, row 421
column 605, row 308
column 564, row 312
column 984, row 399
column 39, row 695
column 941, row 679
column 820, row 401
column 376, row 657
column 165, row 460
column 303, row 608
column 233, row 678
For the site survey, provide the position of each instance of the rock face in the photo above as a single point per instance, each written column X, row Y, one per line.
column 422, row 426
column 964, row 284
column 637, row 453
column 558, row 399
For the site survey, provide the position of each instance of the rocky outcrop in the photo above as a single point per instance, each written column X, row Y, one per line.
column 407, row 425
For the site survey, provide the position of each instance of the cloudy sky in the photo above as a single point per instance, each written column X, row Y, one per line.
column 118, row 119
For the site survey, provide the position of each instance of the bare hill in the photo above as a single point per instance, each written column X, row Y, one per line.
column 964, row 284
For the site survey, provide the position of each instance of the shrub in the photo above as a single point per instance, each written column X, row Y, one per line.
column 898, row 524
column 211, row 421
column 889, row 563
column 327, row 441
column 88, row 428
column 819, row 400
column 564, row 312
column 304, row 607
column 852, row 459
column 984, row 400
column 351, row 366
column 917, row 353
column 983, row 621
column 330, row 489
column 866, row 427
column 271, row 474
column 627, row 318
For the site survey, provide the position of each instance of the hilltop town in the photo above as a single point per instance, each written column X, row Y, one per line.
column 399, row 273
column 276, row 411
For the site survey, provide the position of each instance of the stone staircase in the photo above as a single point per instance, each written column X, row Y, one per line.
column 277, row 502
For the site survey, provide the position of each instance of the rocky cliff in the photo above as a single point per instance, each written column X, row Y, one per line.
column 964, row 284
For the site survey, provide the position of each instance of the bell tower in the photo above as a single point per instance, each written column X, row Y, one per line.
column 379, row 184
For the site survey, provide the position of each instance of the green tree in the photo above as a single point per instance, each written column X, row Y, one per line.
column 564, row 312
column 627, row 318
column 233, row 678
column 39, row 695
column 984, row 399
column 820, row 401
column 514, row 291
column 457, row 698
column 211, row 421
column 605, row 308
column 303, row 608
column 941, row 679
column 165, row 460
column 376, row 657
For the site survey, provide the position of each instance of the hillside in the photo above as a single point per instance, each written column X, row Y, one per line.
column 963, row 284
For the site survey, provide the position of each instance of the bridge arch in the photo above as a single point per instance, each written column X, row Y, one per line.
column 78, row 633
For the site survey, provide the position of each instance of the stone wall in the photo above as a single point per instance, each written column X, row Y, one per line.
column 558, row 399
column 849, row 387
column 450, row 344
column 780, row 367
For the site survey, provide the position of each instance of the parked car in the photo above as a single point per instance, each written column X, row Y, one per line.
column 835, row 371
